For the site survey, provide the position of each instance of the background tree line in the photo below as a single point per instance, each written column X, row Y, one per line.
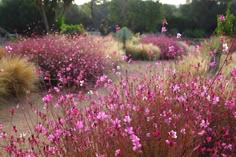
column 196, row 19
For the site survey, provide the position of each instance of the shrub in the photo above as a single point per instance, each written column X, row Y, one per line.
column 17, row 76
column 64, row 59
column 169, row 47
column 225, row 24
column 142, row 51
column 72, row 29
column 181, row 116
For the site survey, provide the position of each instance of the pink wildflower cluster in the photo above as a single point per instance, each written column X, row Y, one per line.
column 76, row 60
column 169, row 46
column 142, row 115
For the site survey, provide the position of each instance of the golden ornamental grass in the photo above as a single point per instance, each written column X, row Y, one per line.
column 17, row 75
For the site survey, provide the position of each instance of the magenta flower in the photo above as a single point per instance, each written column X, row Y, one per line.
column 102, row 115
column 79, row 124
column 47, row 98
column 222, row 17
column 127, row 119
column 129, row 130
column 171, row 48
column 233, row 72
column 117, row 152
column 163, row 29
column 204, row 124
column 136, row 142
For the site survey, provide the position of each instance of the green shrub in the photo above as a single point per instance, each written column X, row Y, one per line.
column 69, row 29
column 225, row 26
column 72, row 29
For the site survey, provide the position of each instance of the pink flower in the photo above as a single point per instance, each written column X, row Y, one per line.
column 212, row 64
column 102, row 115
column 233, row 73
column 129, row 130
column 204, row 124
column 79, row 124
column 8, row 48
column 215, row 100
column 173, row 134
column 47, row 98
column 117, row 152
column 117, row 28
column 116, row 123
column 222, row 17
column 225, row 47
column 163, row 29
column 136, row 142
column 127, row 119
column 178, row 36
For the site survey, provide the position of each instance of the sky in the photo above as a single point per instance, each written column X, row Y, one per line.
column 175, row 2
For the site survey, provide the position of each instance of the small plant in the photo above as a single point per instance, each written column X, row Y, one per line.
column 123, row 35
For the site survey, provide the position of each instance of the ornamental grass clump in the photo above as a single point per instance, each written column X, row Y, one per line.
column 142, row 51
column 17, row 76
column 176, row 115
column 66, row 60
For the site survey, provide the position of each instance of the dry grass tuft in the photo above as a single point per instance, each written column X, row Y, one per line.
column 2, row 52
column 197, row 63
column 143, row 51
column 17, row 76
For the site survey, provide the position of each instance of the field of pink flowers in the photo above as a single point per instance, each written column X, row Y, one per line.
column 150, row 113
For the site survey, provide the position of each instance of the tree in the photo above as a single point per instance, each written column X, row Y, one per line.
column 139, row 16
column 20, row 16
column 118, row 11
column 51, row 9
column 78, row 15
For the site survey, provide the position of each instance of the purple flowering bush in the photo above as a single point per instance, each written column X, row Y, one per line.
column 170, row 49
column 64, row 59
column 142, row 115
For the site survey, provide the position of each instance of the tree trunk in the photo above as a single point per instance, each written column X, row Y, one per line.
column 45, row 20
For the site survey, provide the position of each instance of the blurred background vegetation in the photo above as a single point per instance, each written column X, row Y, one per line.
column 195, row 19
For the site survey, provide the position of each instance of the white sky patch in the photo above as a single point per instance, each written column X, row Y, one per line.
column 175, row 2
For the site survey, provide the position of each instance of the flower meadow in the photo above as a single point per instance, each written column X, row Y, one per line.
column 158, row 111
